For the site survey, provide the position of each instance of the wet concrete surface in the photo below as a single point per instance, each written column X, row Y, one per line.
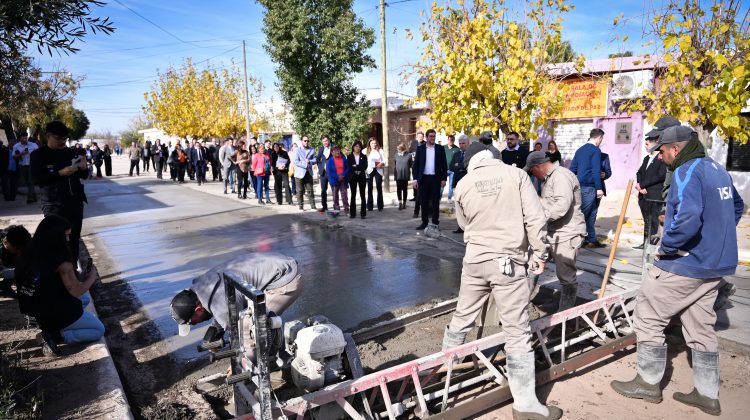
column 158, row 236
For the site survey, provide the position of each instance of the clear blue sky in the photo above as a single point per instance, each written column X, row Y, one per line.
column 120, row 67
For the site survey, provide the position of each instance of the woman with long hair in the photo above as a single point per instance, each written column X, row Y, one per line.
column 375, row 165
column 53, row 292
column 243, row 167
column 262, row 170
column 357, row 178
column 552, row 153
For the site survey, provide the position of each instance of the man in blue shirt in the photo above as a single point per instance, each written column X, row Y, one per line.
column 698, row 247
column 587, row 165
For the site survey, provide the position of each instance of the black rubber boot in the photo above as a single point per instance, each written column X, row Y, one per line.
column 652, row 360
column 705, row 395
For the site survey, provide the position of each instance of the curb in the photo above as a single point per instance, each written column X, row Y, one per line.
column 110, row 401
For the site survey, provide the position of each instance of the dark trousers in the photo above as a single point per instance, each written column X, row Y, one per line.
column 200, row 171
column 181, row 171
column 135, row 164
column 146, row 163
column 305, row 185
column 429, row 198
column 324, row 191
column 73, row 213
column 173, row 171
column 357, row 181
column 242, row 184
column 215, row 172
column 375, row 175
column 402, row 188
column 650, row 212
column 262, row 185
column 281, row 179
column 159, row 165
column 98, row 169
column 190, row 170
column 10, row 185
column 108, row 165
column 24, row 172
column 417, row 201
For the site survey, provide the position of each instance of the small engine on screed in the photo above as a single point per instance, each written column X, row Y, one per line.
column 317, row 348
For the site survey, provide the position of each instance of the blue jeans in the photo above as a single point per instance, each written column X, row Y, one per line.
column 589, row 208
column 262, row 181
column 450, row 185
column 85, row 329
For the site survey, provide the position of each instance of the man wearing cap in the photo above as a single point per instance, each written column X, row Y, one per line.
column 496, row 263
column 58, row 171
column 587, row 165
column 566, row 228
column 650, row 181
column 698, row 247
column 275, row 274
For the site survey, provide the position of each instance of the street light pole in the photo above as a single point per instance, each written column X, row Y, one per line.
column 247, row 94
column 384, row 97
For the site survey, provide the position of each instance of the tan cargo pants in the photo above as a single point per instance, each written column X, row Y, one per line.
column 511, row 293
column 664, row 295
column 564, row 251
column 278, row 299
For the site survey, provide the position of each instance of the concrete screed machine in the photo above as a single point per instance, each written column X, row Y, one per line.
column 311, row 368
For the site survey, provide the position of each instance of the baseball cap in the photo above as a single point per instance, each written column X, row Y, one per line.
column 535, row 158
column 182, row 309
column 662, row 124
column 477, row 147
column 486, row 137
column 673, row 135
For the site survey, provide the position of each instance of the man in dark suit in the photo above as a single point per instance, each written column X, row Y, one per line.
column 650, row 180
column 429, row 172
column 324, row 152
column 198, row 160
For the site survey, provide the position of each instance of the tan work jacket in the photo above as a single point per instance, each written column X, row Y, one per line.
column 561, row 200
column 500, row 213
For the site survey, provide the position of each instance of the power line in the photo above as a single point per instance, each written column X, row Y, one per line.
column 155, row 24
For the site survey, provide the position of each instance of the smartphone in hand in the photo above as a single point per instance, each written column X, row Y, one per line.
column 89, row 265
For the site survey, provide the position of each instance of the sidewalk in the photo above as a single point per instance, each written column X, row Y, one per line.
column 83, row 383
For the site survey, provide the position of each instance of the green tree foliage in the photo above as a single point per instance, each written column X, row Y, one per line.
column 130, row 134
column 621, row 54
column 318, row 45
column 75, row 119
column 560, row 52
column 51, row 25
column 50, row 95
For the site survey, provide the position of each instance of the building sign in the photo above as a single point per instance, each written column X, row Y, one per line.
column 623, row 132
column 585, row 99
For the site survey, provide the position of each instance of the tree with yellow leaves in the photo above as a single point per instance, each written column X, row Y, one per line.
column 706, row 81
column 200, row 104
column 484, row 66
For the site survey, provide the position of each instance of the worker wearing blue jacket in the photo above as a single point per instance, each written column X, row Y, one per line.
column 698, row 247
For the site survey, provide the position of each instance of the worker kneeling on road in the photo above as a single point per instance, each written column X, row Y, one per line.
column 698, row 247
column 500, row 213
column 566, row 227
column 274, row 274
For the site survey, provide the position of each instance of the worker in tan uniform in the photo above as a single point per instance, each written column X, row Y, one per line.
column 566, row 227
column 500, row 213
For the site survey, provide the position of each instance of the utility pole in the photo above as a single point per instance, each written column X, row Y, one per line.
column 384, row 98
column 247, row 94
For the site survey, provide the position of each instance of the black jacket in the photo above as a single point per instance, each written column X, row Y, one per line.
column 457, row 167
column 651, row 178
column 57, row 190
column 322, row 161
column 441, row 166
column 4, row 158
column 357, row 172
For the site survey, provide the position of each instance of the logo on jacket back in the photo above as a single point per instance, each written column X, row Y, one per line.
column 725, row 193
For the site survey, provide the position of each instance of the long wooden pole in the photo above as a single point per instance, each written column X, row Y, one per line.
column 612, row 252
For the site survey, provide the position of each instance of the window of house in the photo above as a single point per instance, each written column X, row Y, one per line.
column 738, row 156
